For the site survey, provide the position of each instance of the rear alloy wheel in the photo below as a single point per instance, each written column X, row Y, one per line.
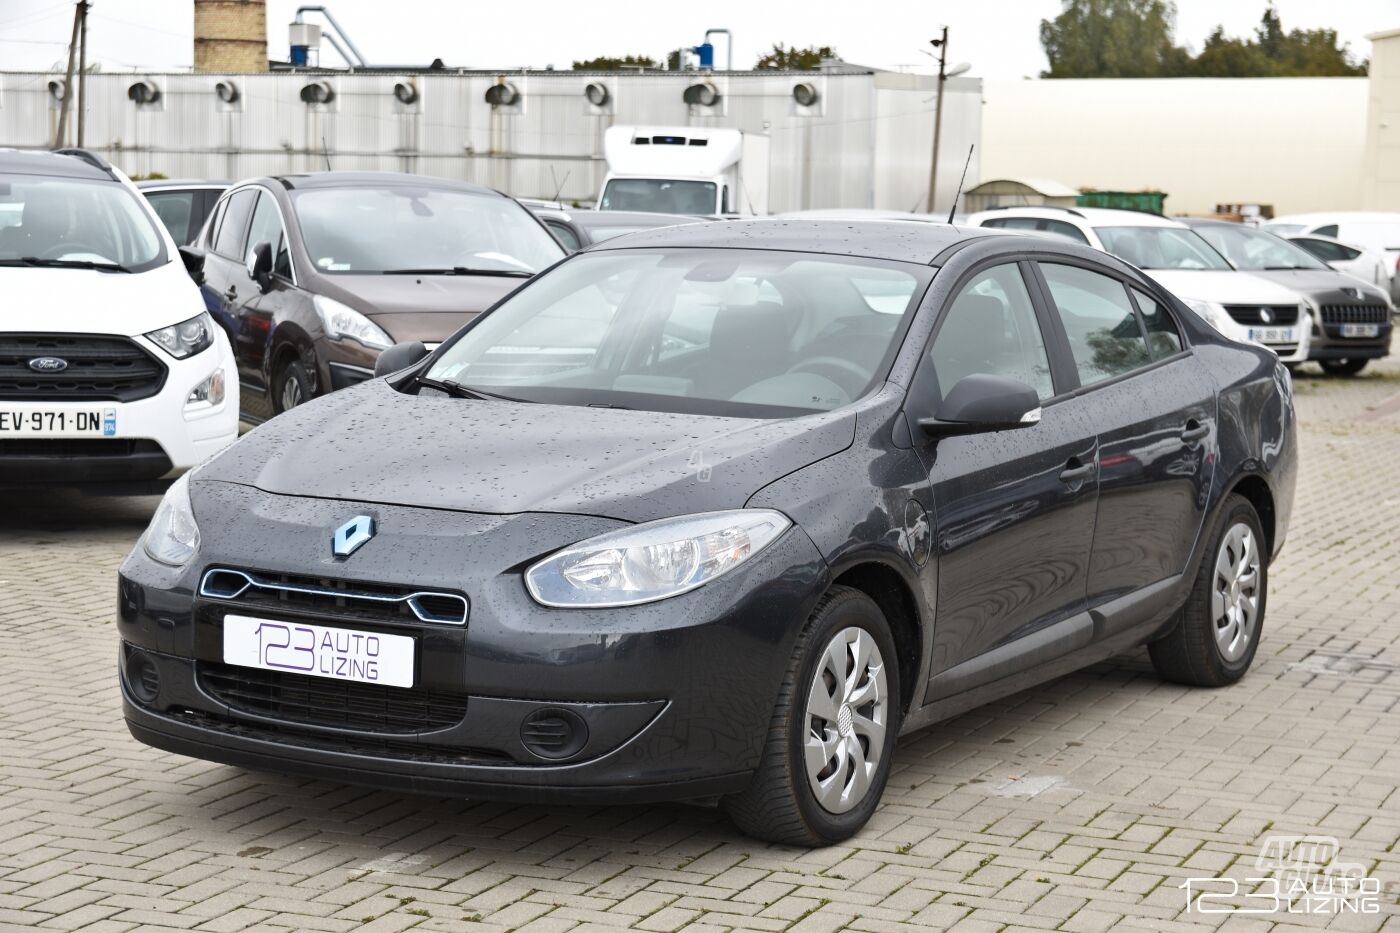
column 1347, row 367
column 292, row 388
column 1218, row 633
column 827, row 756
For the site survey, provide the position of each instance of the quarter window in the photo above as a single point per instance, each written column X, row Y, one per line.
column 1162, row 337
column 1104, row 334
column 229, row 240
column 991, row 328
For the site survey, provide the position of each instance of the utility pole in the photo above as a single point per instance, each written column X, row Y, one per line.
column 82, row 67
column 59, row 137
column 942, row 45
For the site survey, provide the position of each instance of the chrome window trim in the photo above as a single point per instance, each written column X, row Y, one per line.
column 252, row 581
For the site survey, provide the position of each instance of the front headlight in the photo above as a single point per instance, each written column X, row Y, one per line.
column 187, row 338
column 1214, row 313
column 341, row 320
column 654, row 560
column 173, row 536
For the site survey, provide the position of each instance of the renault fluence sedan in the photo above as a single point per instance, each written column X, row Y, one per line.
column 718, row 511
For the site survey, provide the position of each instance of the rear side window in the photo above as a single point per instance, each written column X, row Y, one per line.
column 566, row 237
column 1104, row 335
column 1163, row 339
column 1329, row 230
column 229, row 240
column 1326, row 251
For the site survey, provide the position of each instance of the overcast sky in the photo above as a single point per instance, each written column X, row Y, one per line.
column 998, row 37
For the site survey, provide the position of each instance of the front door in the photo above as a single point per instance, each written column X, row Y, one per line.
column 1014, row 510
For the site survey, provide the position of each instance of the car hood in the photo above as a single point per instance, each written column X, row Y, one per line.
column 419, row 307
column 1323, row 286
column 85, row 301
column 373, row 444
column 1227, row 287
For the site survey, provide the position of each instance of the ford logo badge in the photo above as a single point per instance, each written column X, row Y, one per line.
column 48, row 364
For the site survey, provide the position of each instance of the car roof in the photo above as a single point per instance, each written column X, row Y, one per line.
column 41, row 162
column 896, row 240
column 1092, row 216
column 370, row 179
column 156, row 184
column 1360, row 217
column 628, row 218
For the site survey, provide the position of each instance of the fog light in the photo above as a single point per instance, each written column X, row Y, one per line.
column 142, row 675
column 554, row 733
column 208, row 392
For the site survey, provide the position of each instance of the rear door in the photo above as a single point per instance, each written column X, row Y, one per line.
column 1153, row 407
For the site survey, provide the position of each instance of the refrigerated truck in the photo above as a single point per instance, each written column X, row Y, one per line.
column 685, row 170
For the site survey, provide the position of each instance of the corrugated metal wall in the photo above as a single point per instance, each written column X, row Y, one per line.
column 865, row 144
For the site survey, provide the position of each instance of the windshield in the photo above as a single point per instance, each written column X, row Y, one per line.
column 1160, row 248
column 1256, row 251
column 386, row 229
column 70, row 221
column 744, row 333
column 658, row 196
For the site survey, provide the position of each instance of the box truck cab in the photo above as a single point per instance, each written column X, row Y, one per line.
column 685, row 170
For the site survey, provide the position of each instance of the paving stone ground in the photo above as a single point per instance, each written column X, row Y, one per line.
column 1079, row 805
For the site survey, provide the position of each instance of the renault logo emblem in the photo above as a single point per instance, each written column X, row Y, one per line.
column 350, row 536
column 48, row 364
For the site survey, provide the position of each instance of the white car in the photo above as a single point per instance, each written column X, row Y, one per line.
column 1239, row 305
column 1365, row 264
column 112, row 373
column 1377, row 231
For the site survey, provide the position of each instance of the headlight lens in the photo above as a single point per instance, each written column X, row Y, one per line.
column 187, row 338
column 654, row 560
column 342, row 321
column 1215, row 314
column 173, row 536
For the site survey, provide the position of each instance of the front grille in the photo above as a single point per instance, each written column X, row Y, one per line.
column 99, row 368
column 340, row 704
column 329, row 599
column 1281, row 315
column 1355, row 314
column 76, row 447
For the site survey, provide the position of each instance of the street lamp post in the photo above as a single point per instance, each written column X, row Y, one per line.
column 942, row 45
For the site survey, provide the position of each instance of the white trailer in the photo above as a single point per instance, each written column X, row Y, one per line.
column 685, row 170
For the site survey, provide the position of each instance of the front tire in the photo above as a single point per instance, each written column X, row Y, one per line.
column 1218, row 633
column 827, row 756
column 292, row 386
column 1346, row 367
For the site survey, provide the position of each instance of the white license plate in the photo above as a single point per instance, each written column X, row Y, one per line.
column 1273, row 334
column 57, row 421
column 1361, row 330
column 319, row 651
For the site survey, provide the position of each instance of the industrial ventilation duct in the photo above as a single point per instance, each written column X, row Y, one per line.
column 142, row 93
column 317, row 92
column 502, row 94
column 703, row 95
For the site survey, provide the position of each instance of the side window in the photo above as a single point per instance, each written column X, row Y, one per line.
column 229, row 240
column 1068, row 231
column 724, row 200
column 1162, row 336
column 991, row 327
column 1104, row 334
column 214, row 221
column 566, row 237
column 997, row 222
column 267, row 228
column 1347, row 252
column 175, row 209
column 1329, row 230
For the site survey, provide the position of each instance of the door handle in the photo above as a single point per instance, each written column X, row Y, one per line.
column 232, row 293
column 1194, row 431
column 1076, row 471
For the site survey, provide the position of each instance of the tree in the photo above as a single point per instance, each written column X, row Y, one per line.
column 1274, row 53
column 613, row 63
column 782, row 58
column 1113, row 39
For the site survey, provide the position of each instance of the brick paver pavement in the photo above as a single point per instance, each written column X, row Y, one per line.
column 1080, row 805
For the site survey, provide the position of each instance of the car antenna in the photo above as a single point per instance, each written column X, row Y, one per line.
column 558, row 185
column 325, row 152
column 958, row 194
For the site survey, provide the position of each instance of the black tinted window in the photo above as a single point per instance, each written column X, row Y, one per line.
column 229, row 240
column 175, row 210
column 1162, row 336
column 1104, row 334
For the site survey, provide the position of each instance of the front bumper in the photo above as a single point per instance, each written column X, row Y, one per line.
column 675, row 696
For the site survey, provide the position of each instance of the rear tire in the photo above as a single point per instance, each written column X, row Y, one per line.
column 1346, row 367
column 292, row 387
column 1218, row 633
column 827, row 756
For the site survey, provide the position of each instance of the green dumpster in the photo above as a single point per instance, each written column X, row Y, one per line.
column 1148, row 202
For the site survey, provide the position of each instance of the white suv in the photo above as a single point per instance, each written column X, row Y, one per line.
column 112, row 373
column 1241, row 306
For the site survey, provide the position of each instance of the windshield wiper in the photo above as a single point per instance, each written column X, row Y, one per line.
column 65, row 264
column 460, row 270
column 455, row 389
column 1282, row 268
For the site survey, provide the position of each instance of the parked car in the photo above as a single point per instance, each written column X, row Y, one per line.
column 112, row 375
column 1351, row 320
column 576, row 230
column 705, row 511
column 182, row 204
column 1366, row 264
column 313, row 275
column 1375, row 230
column 1239, row 305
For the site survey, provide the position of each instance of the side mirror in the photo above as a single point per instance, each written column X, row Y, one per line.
column 193, row 258
column 260, row 265
column 981, row 403
column 399, row 356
